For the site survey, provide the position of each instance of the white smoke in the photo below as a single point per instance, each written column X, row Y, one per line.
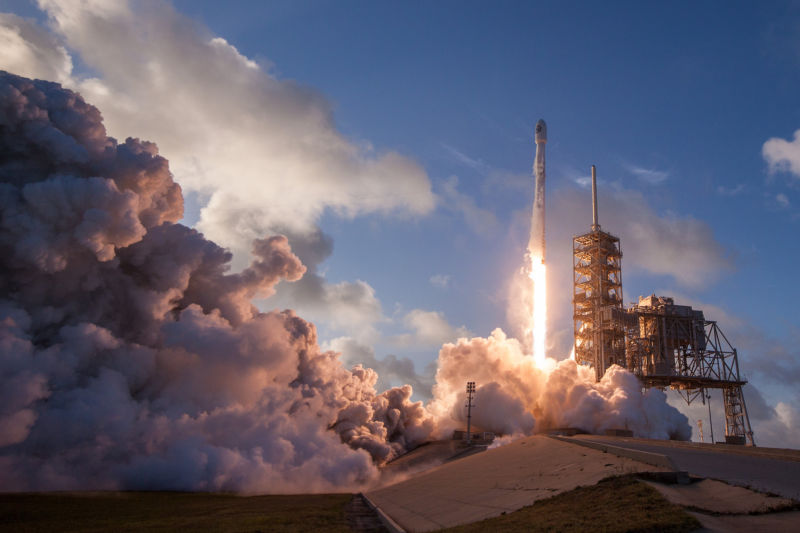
column 131, row 358
column 516, row 396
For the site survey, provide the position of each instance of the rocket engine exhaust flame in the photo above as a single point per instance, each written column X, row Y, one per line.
column 538, row 277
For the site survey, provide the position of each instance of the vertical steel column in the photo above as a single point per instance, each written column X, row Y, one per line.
column 470, row 393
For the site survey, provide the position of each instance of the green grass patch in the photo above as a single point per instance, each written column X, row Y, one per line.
column 171, row 511
column 620, row 504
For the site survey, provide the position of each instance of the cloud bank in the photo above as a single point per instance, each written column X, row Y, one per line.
column 264, row 150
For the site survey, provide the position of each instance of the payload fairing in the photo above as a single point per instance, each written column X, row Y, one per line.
column 536, row 244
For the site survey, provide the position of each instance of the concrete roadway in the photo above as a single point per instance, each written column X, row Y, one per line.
column 497, row 481
column 763, row 469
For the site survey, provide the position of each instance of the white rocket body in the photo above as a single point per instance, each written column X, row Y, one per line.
column 536, row 245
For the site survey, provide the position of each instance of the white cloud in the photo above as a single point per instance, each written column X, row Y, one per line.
column 481, row 221
column 428, row 329
column 30, row 51
column 648, row 175
column 782, row 200
column 349, row 307
column 392, row 370
column 782, row 155
column 264, row 150
column 731, row 191
column 441, row 281
column 671, row 244
column 464, row 159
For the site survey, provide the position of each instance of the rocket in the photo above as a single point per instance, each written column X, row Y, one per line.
column 536, row 245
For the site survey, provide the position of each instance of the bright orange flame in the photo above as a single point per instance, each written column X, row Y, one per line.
column 539, row 316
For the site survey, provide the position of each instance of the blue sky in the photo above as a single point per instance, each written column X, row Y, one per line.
column 690, row 90
column 672, row 101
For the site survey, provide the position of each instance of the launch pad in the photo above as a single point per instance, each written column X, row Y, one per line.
column 663, row 344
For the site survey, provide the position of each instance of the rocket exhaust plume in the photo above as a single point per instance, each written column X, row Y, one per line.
column 130, row 356
column 536, row 250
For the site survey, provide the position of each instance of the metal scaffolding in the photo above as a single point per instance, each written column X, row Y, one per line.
column 597, row 292
column 597, row 268
column 664, row 344
column 674, row 346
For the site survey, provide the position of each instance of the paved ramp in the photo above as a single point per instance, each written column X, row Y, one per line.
column 499, row 480
column 763, row 469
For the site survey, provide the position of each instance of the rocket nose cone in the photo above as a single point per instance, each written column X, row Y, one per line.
column 540, row 134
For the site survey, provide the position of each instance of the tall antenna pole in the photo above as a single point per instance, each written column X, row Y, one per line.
column 595, row 224
column 470, row 393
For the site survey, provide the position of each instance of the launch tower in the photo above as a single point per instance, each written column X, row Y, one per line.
column 597, row 294
column 664, row 344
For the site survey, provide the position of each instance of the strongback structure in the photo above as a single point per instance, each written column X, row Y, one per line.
column 664, row 344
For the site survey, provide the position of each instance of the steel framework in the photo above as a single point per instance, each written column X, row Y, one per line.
column 675, row 346
column 597, row 284
column 664, row 344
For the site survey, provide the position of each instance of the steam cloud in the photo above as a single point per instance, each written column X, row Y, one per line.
column 131, row 358
column 516, row 396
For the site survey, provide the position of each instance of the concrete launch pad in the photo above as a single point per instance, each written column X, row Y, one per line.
column 507, row 478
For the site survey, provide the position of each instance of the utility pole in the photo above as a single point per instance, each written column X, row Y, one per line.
column 470, row 393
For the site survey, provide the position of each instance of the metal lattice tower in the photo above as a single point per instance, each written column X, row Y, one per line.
column 675, row 346
column 737, row 422
column 664, row 344
column 597, row 290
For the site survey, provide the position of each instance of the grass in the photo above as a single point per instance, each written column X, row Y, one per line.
column 620, row 504
column 171, row 511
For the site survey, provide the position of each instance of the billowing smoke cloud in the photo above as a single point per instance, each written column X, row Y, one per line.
column 131, row 358
column 390, row 368
column 236, row 133
column 515, row 396
column 258, row 154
